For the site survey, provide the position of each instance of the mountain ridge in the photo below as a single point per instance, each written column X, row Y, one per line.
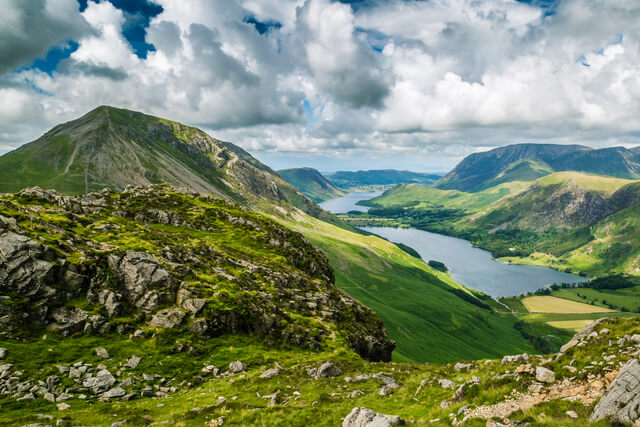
column 477, row 170
column 111, row 148
column 311, row 183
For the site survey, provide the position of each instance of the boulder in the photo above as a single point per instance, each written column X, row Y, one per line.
column 270, row 373
column 545, row 375
column 621, row 403
column 327, row 370
column 102, row 352
column 140, row 273
column 25, row 264
column 70, row 320
column 237, row 366
column 363, row 417
column 113, row 393
column 199, row 327
column 518, row 358
column 446, row 383
column 133, row 362
column 101, row 382
column 3, row 353
column 111, row 302
column 168, row 318
column 194, row 305
column 462, row 367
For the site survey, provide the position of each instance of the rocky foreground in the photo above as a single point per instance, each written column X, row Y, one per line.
column 161, row 306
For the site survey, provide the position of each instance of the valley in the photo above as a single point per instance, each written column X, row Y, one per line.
column 230, row 275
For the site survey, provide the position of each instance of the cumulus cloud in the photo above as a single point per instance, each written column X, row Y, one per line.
column 422, row 82
column 29, row 28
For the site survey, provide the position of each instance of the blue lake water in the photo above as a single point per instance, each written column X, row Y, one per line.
column 348, row 202
column 470, row 266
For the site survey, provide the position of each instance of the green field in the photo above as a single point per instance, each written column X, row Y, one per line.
column 551, row 304
column 428, row 322
column 627, row 299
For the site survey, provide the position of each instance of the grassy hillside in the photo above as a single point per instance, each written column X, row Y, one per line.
column 417, row 304
column 112, row 148
column 311, row 183
column 530, row 161
column 246, row 399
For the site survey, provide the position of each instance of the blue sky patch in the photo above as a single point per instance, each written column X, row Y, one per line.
column 49, row 63
column 138, row 14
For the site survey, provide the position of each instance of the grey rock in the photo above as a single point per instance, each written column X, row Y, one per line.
column 545, row 375
column 199, row 327
column 168, row 318
column 101, row 382
column 446, row 383
column 24, row 264
column 113, row 393
column 462, row 367
column 133, row 362
column 111, row 302
column 327, row 370
column 363, row 417
column 3, row 353
column 518, row 358
column 237, row 366
column 621, row 403
column 139, row 273
column 102, row 352
column 270, row 373
column 194, row 305
column 50, row 397
column 70, row 320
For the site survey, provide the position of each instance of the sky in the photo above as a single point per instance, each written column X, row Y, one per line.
column 335, row 85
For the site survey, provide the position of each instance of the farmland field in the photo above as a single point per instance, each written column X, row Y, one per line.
column 623, row 299
column 550, row 304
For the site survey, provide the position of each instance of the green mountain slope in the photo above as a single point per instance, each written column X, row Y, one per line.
column 418, row 305
column 562, row 200
column 156, row 257
column 113, row 148
column 481, row 170
column 311, row 183
column 379, row 178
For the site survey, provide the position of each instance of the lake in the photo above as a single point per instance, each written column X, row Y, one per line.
column 348, row 202
column 470, row 266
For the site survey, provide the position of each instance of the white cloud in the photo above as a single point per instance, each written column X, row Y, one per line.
column 436, row 78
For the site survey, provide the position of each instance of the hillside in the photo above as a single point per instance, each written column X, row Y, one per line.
column 112, row 148
column 379, row 178
column 311, row 183
column 242, row 382
column 155, row 257
column 481, row 170
column 563, row 200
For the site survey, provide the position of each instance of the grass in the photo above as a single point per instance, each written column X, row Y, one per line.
column 627, row 299
column 574, row 325
column 420, row 312
column 315, row 402
column 550, row 304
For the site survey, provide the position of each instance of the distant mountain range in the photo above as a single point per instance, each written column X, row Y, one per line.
column 386, row 177
column 311, row 183
column 527, row 162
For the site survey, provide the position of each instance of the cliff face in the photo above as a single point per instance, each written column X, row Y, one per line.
column 157, row 257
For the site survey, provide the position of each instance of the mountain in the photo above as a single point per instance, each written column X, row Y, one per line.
column 311, row 183
column 531, row 161
column 112, row 148
column 373, row 178
column 562, row 200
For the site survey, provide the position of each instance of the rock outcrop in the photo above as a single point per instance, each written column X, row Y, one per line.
column 621, row 404
column 169, row 258
column 363, row 417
